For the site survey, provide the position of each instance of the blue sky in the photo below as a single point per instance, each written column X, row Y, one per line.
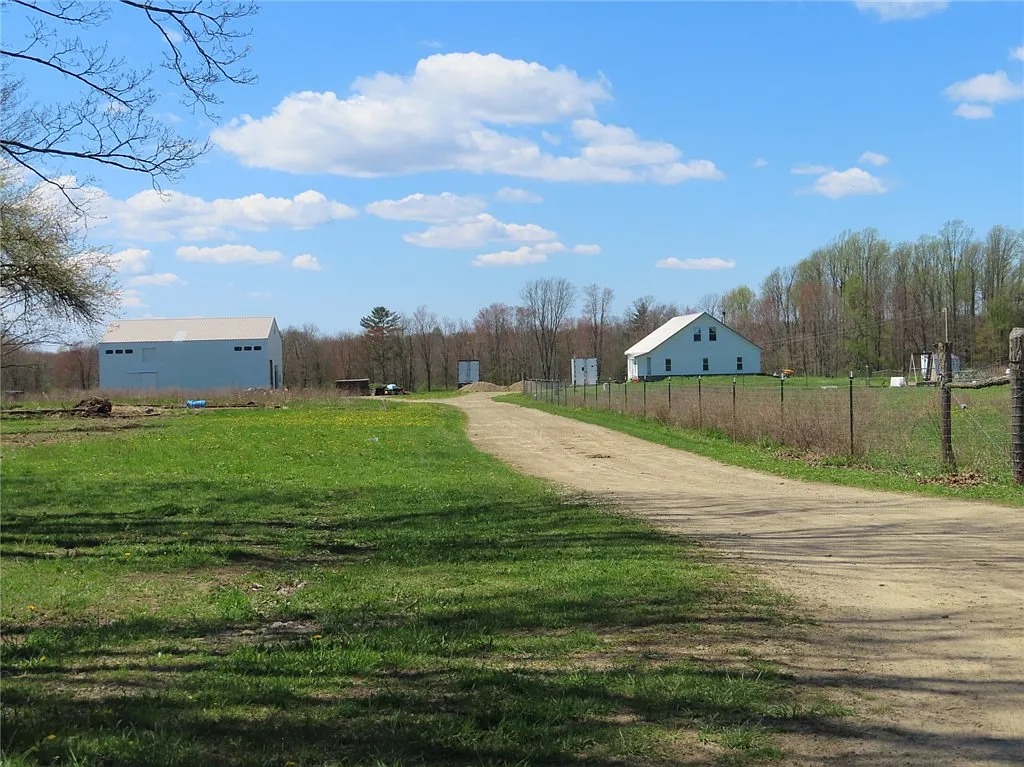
column 444, row 154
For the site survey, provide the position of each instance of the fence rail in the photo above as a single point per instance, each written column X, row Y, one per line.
column 898, row 426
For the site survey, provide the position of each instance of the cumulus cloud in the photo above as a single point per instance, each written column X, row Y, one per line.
column 535, row 253
column 307, row 263
column 804, row 169
column 476, row 231
column 696, row 264
column 760, row 162
column 973, row 111
column 988, row 89
column 449, row 114
column 228, row 254
column 1017, row 53
column 845, row 183
column 509, row 194
column 165, row 279
column 152, row 215
column 901, row 10
column 430, row 208
column 132, row 260
column 873, row 158
column 131, row 299
column 521, row 256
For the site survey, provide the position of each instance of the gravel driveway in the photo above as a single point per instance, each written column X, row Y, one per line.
column 921, row 600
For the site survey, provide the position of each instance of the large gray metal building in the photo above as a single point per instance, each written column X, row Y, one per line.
column 196, row 354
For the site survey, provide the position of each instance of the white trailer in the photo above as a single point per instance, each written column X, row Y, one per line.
column 469, row 372
column 584, row 371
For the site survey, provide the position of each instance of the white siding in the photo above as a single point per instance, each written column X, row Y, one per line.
column 191, row 365
column 682, row 355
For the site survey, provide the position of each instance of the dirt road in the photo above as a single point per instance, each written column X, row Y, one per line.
column 921, row 600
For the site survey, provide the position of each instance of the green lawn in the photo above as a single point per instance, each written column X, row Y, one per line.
column 356, row 584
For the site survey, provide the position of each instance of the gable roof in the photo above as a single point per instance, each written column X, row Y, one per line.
column 661, row 335
column 188, row 329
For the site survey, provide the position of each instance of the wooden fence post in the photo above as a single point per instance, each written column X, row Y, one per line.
column 946, row 407
column 1017, row 404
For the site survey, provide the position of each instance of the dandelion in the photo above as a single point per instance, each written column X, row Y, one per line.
column 32, row 608
column 317, row 636
column 51, row 737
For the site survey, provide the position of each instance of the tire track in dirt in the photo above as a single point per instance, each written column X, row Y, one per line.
column 921, row 599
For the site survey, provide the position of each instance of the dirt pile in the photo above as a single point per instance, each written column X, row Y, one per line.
column 517, row 388
column 481, row 386
column 94, row 406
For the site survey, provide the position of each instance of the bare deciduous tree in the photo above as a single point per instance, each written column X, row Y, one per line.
column 548, row 303
column 110, row 120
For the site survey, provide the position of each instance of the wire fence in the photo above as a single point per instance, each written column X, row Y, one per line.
column 897, row 428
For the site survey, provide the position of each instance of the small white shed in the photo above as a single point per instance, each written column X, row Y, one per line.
column 692, row 344
column 196, row 354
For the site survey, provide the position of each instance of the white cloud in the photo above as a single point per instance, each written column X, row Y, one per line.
column 153, row 215
column 133, row 260
column 987, row 88
column 873, row 158
column 551, row 138
column 165, row 279
column 803, row 169
column 532, row 253
column 696, row 264
column 521, row 256
column 131, row 299
column 228, row 254
column 307, row 262
column 760, row 162
column 448, row 115
column 973, row 111
column 844, row 183
column 1017, row 53
column 509, row 194
column 476, row 231
column 431, row 208
column 901, row 10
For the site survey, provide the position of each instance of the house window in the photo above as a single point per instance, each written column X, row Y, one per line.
column 129, row 351
column 696, row 335
column 109, row 351
column 248, row 348
column 739, row 363
column 706, row 366
column 668, row 365
column 238, row 348
column 712, row 334
column 257, row 348
column 118, row 351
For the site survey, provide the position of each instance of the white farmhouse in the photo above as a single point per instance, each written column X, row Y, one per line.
column 197, row 354
column 692, row 344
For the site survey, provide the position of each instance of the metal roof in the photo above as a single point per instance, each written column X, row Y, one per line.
column 188, row 329
column 652, row 341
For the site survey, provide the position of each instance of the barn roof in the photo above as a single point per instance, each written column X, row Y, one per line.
column 188, row 329
column 652, row 341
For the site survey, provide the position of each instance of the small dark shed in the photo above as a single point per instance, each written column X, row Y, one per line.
column 353, row 387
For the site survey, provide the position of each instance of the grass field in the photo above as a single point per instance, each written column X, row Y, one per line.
column 896, row 430
column 355, row 584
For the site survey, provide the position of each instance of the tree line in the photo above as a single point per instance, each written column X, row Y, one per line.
column 859, row 301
